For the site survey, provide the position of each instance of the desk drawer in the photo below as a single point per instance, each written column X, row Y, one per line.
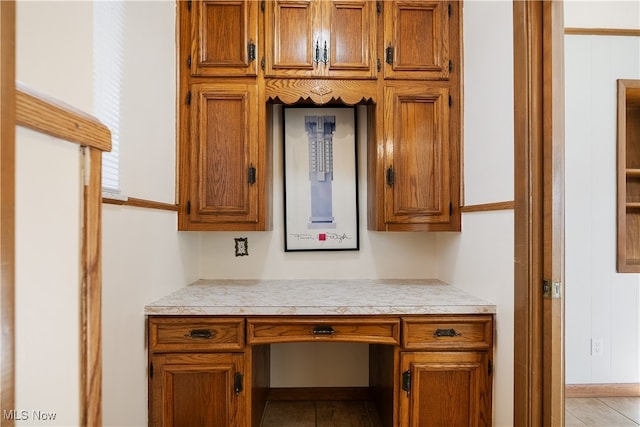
column 366, row 330
column 195, row 334
column 447, row 332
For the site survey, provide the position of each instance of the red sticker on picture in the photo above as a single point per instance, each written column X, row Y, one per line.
column 322, row 237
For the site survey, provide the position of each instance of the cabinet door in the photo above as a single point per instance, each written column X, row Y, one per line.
column 417, row 39
column 320, row 38
column 445, row 389
column 197, row 390
column 417, row 164
column 293, row 29
column 225, row 37
column 223, row 167
column 350, row 32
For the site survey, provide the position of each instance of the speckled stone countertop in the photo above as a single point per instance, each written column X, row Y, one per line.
column 318, row 297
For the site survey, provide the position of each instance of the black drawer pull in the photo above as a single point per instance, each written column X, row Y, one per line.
column 323, row 330
column 204, row 334
column 445, row 333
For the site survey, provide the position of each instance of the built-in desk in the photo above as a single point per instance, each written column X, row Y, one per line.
column 430, row 352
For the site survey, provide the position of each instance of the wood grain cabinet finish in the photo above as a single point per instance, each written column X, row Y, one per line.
column 432, row 370
column 224, row 168
column 417, row 187
column 445, row 389
column 414, row 167
column 223, row 162
column 196, row 334
column 225, row 38
column 417, row 39
column 320, row 38
column 628, row 257
column 401, row 58
column 447, row 332
column 311, row 329
column 197, row 390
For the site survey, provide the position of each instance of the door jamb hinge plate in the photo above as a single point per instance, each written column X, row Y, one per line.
column 551, row 289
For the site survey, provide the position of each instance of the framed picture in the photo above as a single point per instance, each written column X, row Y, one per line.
column 320, row 179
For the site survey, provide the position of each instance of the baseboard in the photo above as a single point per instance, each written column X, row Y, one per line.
column 602, row 390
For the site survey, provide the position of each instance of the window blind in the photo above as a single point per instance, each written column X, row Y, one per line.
column 108, row 46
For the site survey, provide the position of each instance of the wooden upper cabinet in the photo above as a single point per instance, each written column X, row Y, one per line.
column 417, row 173
column 224, row 38
column 320, row 38
column 417, row 39
column 224, row 171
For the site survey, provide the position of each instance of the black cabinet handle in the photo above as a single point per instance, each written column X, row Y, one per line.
column 205, row 334
column 406, row 381
column 390, row 176
column 446, row 333
column 252, row 175
column 237, row 383
column 323, row 330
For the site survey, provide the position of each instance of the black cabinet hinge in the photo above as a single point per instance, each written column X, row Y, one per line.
column 189, row 5
column 450, row 65
column 262, row 63
column 379, row 65
column 262, row 6
column 151, row 370
column 188, row 98
column 237, row 383
column 189, row 61
column 188, row 207
column 251, row 51
column 449, row 9
column 406, row 381
column 450, row 101
column 450, row 208
column 378, row 7
column 490, row 368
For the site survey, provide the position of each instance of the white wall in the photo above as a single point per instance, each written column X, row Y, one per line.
column 48, row 209
column 600, row 303
column 480, row 259
column 48, row 226
column 602, row 14
column 144, row 257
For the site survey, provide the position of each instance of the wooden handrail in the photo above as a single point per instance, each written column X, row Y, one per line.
column 497, row 206
column 141, row 203
column 43, row 114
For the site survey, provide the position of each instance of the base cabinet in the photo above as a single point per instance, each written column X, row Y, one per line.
column 423, row 371
column 197, row 389
column 445, row 389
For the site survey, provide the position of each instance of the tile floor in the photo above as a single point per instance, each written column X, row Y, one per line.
column 602, row 412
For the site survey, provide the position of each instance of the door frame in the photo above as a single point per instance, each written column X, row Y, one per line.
column 539, row 212
column 7, row 203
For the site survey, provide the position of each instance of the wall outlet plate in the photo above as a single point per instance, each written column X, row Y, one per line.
column 242, row 246
column 596, row 347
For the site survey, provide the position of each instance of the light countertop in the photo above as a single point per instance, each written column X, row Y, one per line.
column 318, row 297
